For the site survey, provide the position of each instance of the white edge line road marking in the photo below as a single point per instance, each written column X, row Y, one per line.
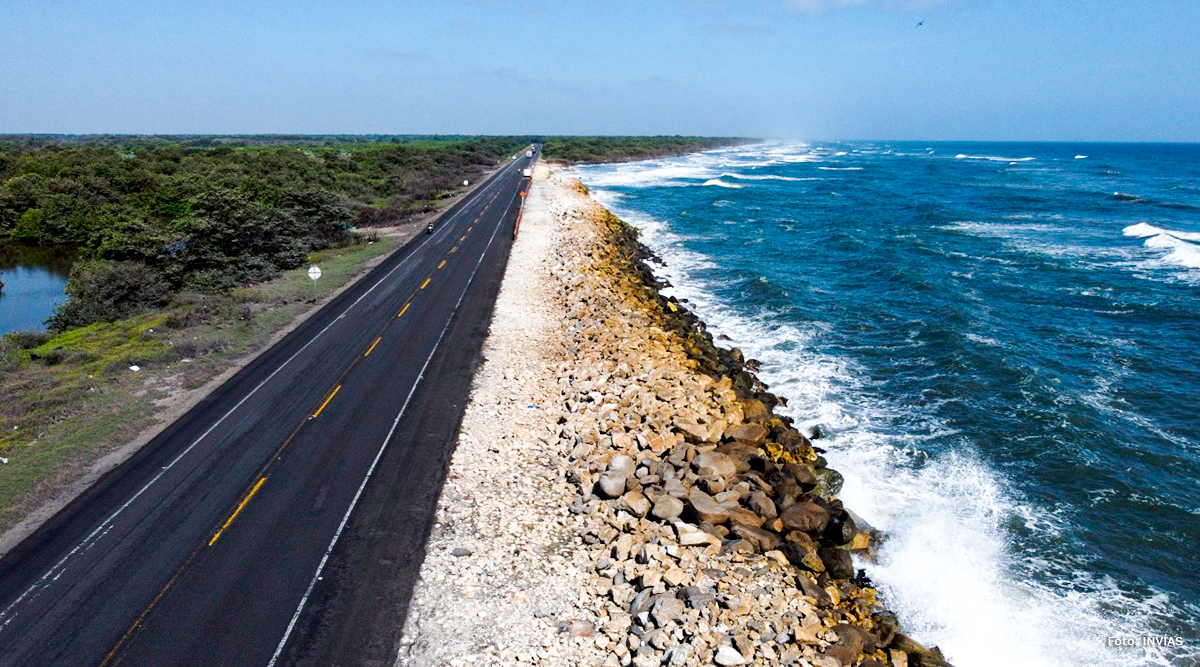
column 370, row 471
column 50, row 575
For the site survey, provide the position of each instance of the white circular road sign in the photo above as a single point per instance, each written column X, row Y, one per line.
column 314, row 272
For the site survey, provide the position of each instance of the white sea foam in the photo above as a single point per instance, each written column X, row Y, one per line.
column 1145, row 229
column 841, row 168
column 983, row 340
column 723, row 184
column 769, row 177
column 994, row 158
column 1080, row 157
column 1180, row 253
column 947, row 568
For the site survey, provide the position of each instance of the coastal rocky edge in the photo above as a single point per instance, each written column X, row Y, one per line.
column 622, row 491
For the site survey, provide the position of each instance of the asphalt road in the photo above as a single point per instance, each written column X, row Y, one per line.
column 283, row 519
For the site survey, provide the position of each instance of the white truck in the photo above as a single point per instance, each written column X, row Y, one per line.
column 529, row 153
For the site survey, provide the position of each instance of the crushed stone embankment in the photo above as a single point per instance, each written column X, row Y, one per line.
column 622, row 492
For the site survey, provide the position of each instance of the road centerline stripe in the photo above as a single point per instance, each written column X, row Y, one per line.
column 327, row 400
column 368, row 353
column 426, row 283
column 378, row 455
column 441, row 263
column 238, row 510
column 405, row 308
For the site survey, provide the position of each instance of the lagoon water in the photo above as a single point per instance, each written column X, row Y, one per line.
column 1001, row 346
column 33, row 279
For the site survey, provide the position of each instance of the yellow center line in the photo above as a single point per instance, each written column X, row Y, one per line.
column 327, row 400
column 401, row 314
column 238, row 510
column 373, row 346
column 470, row 228
column 441, row 263
column 462, row 238
column 426, row 283
column 454, row 250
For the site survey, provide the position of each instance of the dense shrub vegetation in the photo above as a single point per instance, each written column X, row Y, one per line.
column 207, row 213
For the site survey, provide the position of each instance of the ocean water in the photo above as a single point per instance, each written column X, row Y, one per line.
column 1000, row 344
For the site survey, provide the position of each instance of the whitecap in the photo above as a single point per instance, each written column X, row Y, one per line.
column 841, row 168
column 983, row 340
column 1143, row 229
column 1080, row 157
column 769, row 177
column 993, row 158
column 719, row 183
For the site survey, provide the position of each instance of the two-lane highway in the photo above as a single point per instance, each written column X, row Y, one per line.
column 283, row 519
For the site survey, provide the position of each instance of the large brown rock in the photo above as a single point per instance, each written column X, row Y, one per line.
column 804, row 476
column 762, row 504
column 755, row 410
column 693, row 431
column 841, row 529
column 837, row 562
column 612, row 483
column 803, row 554
column 763, row 540
column 667, row 507
column 707, row 508
column 636, row 503
column 744, row 516
column 806, row 517
column 750, row 434
column 714, row 463
column 844, row 655
column 852, row 637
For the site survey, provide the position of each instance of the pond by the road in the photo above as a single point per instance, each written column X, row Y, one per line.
column 33, row 280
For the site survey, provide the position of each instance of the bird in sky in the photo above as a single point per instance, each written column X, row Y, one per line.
column 920, row 24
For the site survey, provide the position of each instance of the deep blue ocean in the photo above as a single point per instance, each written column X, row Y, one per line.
column 999, row 344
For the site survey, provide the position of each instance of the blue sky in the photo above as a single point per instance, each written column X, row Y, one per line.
column 1100, row 70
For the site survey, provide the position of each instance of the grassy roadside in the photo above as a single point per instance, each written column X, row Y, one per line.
column 68, row 401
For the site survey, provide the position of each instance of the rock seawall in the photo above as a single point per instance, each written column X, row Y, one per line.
column 671, row 517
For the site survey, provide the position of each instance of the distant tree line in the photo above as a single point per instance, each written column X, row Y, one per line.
column 619, row 149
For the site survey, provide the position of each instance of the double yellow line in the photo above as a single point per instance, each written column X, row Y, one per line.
column 261, row 477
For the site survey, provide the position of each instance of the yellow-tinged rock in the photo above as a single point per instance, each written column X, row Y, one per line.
column 834, row 595
column 861, row 540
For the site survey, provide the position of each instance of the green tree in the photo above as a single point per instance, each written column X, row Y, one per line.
column 104, row 291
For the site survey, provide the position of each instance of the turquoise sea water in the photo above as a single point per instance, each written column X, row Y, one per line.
column 1001, row 346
